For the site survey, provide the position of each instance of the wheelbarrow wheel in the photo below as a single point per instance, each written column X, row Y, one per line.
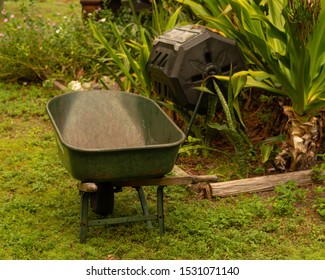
column 102, row 201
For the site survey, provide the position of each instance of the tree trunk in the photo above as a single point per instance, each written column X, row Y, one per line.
column 299, row 151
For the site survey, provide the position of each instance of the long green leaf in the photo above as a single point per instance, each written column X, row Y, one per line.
column 111, row 51
column 316, row 45
column 196, row 7
column 133, row 63
column 173, row 19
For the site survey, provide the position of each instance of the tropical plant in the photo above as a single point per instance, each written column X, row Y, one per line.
column 127, row 60
column 230, row 129
column 287, row 37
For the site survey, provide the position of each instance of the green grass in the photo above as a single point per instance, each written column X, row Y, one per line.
column 39, row 206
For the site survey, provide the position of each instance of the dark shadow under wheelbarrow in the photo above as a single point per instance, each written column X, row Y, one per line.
column 109, row 139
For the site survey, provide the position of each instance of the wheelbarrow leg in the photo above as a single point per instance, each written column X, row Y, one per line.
column 144, row 205
column 160, row 209
column 84, row 216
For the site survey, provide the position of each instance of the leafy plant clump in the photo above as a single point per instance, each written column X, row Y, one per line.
column 35, row 48
column 320, row 201
column 284, row 203
column 126, row 48
column 281, row 41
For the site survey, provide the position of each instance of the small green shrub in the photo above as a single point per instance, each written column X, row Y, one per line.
column 320, row 201
column 318, row 175
column 36, row 48
column 287, row 196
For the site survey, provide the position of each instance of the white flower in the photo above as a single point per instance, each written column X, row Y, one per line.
column 75, row 85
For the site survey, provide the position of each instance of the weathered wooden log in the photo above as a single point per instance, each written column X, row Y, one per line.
column 259, row 184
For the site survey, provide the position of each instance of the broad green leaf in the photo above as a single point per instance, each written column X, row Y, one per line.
column 316, row 45
column 266, row 151
column 238, row 82
column 197, row 8
column 275, row 14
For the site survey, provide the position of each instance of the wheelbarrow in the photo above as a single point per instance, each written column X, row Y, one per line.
column 111, row 139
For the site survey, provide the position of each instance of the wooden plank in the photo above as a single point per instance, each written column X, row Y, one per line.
column 259, row 184
column 168, row 181
column 179, row 171
column 163, row 181
column 181, row 178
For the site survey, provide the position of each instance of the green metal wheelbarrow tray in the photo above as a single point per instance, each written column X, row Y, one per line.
column 106, row 136
column 110, row 139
